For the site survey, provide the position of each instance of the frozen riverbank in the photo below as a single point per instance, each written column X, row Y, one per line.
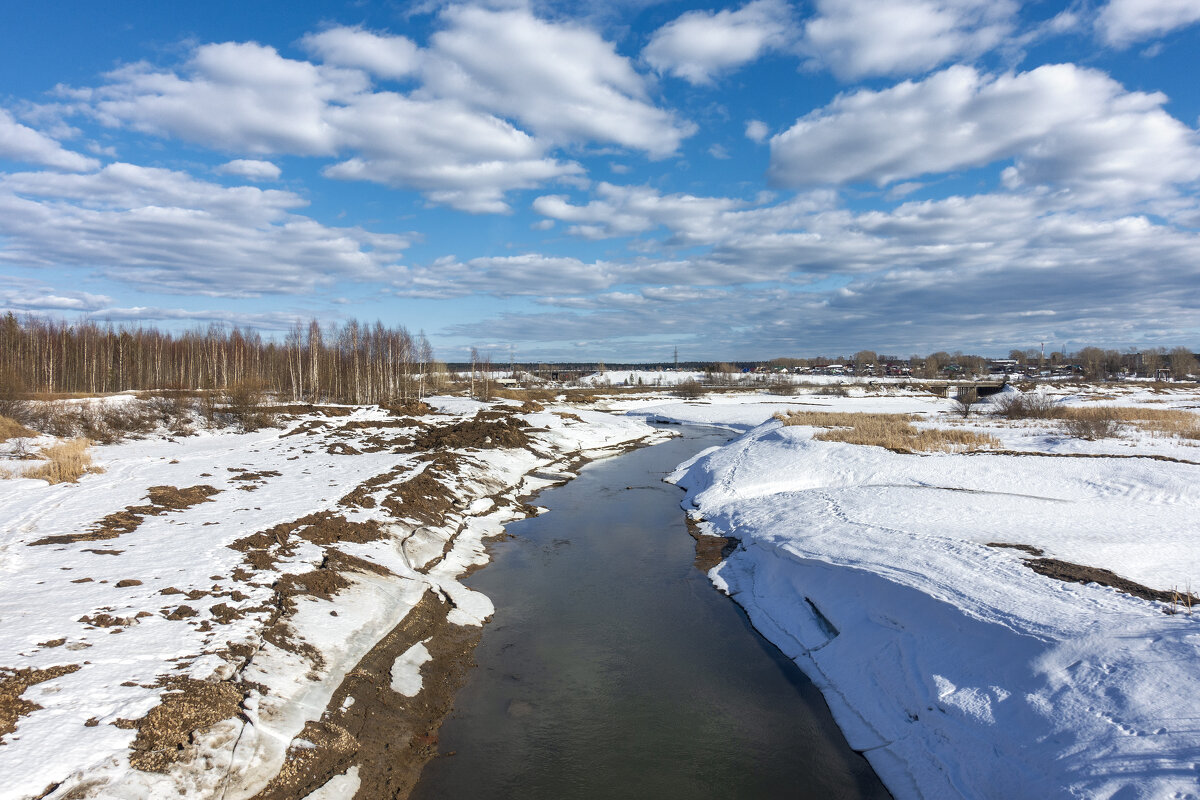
column 955, row 667
column 212, row 615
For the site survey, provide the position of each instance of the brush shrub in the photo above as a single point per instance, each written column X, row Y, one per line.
column 65, row 462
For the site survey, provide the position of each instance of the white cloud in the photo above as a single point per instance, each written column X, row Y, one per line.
column 166, row 231
column 630, row 210
column 1123, row 22
column 22, row 143
column 235, row 97
column 451, row 138
column 252, row 169
column 1021, row 273
column 529, row 274
column 457, row 156
column 699, row 44
column 562, row 80
column 861, row 38
column 1064, row 125
column 383, row 55
column 757, row 131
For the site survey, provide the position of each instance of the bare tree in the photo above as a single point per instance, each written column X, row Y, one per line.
column 1183, row 363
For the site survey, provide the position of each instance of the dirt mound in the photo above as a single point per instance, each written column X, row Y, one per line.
column 481, row 432
column 422, row 498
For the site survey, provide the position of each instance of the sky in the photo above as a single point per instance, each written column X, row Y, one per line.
column 586, row 180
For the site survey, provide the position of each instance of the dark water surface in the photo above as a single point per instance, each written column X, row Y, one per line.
column 613, row 668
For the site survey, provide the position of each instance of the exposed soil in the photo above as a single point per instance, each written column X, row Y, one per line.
column 13, row 683
column 1077, row 573
column 166, row 733
column 1151, row 456
column 162, row 499
column 1028, row 548
column 485, row 431
column 388, row 736
column 710, row 550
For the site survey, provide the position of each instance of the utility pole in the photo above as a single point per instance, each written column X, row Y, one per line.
column 677, row 358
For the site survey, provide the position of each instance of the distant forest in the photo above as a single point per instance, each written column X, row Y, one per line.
column 350, row 363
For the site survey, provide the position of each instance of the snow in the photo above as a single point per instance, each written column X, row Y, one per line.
column 49, row 589
column 406, row 670
column 958, row 670
column 339, row 787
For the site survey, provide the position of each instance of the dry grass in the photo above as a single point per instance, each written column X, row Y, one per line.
column 65, row 462
column 892, row 431
column 1026, row 406
column 11, row 429
column 1100, row 421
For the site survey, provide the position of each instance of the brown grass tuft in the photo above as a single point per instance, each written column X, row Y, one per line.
column 11, row 429
column 892, row 431
column 65, row 462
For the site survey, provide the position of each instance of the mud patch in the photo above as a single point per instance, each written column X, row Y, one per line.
column 251, row 480
column 1028, row 548
column 13, row 683
column 162, row 499
column 1077, row 573
column 388, row 736
column 710, row 550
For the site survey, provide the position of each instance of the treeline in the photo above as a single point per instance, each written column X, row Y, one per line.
column 348, row 363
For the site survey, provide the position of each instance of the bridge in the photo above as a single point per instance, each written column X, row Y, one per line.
column 963, row 388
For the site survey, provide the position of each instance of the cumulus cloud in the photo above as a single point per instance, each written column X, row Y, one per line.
column 699, row 45
column 168, row 232
column 239, row 97
column 252, row 169
column 757, row 131
column 21, row 143
column 1123, row 22
column 562, row 80
column 455, row 155
column 383, row 55
column 1062, row 125
column 455, row 137
column 862, row 38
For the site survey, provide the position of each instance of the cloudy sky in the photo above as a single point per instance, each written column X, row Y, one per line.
column 610, row 180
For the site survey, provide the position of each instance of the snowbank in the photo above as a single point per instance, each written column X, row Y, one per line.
column 957, row 669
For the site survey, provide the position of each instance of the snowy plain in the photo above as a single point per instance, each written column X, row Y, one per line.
column 955, row 668
column 958, row 670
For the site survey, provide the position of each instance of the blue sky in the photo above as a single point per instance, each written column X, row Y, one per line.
column 585, row 181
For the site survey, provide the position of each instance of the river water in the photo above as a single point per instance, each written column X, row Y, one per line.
column 613, row 669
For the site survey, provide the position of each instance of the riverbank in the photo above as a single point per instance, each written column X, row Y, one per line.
column 228, row 614
column 910, row 588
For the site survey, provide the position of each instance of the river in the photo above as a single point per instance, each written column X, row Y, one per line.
column 613, row 669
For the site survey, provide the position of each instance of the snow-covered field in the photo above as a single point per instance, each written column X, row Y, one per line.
column 959, row 670
column 284, row 557
column 236, row 580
